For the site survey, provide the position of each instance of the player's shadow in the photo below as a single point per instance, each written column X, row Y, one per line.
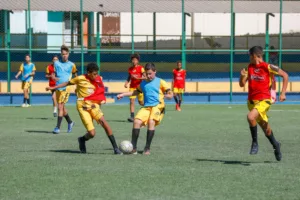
column 66, row 151
column 40, row 118
column 37, row 131
column 227, row 162
column 116, row 120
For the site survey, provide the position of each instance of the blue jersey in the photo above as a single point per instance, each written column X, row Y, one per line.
column 63, row 71
column 27, row 68
column 153, row 91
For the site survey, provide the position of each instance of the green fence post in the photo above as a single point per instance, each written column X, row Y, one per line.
column 267, row 46
column 98, row 41
column 81, row 36
column 29, row 40
column 72, row 30
column 231, row 46
column 7, row 45
column 280, row 44
column 154, row 31
column 132, row 26
column 183, row 39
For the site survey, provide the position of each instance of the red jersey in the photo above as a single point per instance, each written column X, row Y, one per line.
column 99, row 92
column 260, row 80
column 135, row 71
column 179, row 78
column 50, row 70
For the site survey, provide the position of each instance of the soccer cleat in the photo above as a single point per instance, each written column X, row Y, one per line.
column 254, row 148
column 56, row 130
column 146, row 152
column 117, row 151
column 277, row 152
column 134, row 152
column 176, row 107
column 70, row 127
column 130, row 119
column 55, row 114
column 82, row 146
column 24, row 105
column 28, row 105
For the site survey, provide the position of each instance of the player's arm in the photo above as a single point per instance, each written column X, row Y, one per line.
column 20, row 71
column 130, row 93
column 127, row 81
column 166, row 89
column 276, row 70
column 48, row 75
column 73, row 81
column 74, row 70
column 243, row 78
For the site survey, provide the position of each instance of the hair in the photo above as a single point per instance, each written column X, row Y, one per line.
column 179, row 61
column 272, row 47
column 27, row 55
column 92, row 67
column 54, row 56
column 64, row 48
column 137, row 56
column 256, row 50
column 150, row 66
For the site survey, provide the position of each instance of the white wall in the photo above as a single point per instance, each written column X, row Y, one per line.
column 39, row 21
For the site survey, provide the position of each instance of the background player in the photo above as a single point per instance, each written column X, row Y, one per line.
column 63, row 73
column 135, row 76
column 90, row 95
column 179, row 75
column 27, row 70
column 49, row 71
column 154, row 90
column 259, row 76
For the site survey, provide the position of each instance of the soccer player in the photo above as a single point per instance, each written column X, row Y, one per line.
column 259, row 74
column 135, row 76
column 63, row 73
column 27, row 70
column 154, row 91
column 49, row 71
column 90, row 95
column 179, row 75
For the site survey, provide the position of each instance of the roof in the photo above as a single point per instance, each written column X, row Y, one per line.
column 163, row 6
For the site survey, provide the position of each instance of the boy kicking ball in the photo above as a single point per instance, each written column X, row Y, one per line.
column 90, row 95
column 151, row 114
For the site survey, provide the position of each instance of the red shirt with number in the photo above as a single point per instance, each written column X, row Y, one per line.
column 179, row 78
column 138, row 72
column 260, row 80
column 50, row 70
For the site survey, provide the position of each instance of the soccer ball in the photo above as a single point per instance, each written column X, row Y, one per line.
column 126, row 147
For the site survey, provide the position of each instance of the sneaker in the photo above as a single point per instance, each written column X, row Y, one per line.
column 130, row 119
column 134, row 152
column 146, row 152
column 82, row 146
column 254, row 148
column 56, row 130
column 117, row 151
column 23, row 105
column 277, row 152
column 70, row 127
column 176, row 107
column 28, row 105
column 55, row 114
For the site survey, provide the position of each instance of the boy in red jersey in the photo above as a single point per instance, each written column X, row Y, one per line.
column 90, row 95
column 136, row 74
column 52, row 82
column 259, row 76
column 179, row 75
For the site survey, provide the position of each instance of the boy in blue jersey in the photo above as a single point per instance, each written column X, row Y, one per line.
column 63, row 73
column 154, row 90
column 27, row 70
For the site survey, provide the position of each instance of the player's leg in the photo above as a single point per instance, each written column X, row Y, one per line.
column 175, row 95
column 54, row 103
column 87, row 121
column 252, row 117
column 131, row 107
column 65, row 112
column 150, row 135
column 25, row 97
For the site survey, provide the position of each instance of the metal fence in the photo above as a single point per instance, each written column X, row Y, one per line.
column 211, row 38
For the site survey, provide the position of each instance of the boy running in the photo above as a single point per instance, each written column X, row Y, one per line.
column 259, row 74
column 179, row 75
column 27, row 70
column 154, row 91
column 49, row 71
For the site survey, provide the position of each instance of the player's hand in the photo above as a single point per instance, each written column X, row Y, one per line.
column 16, row 77
column 126, row 85
column 25, row 76
column 48, row 88
column 120, row 96
column 135, row 77
column 102, row 102
column 282, row 97
column 244, row 72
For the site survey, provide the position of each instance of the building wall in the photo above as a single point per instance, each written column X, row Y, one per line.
column 55, row 26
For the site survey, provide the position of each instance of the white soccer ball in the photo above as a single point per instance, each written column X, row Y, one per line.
column 126, row 147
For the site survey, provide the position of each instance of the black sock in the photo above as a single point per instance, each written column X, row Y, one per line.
column 28, row 101
column 150, row 135
column 84, row 138
column 254, row 133
column 113, row 141
column 132, row 114
column 179, row 103
column 24, row 100
column 176, row 100
column 135, row 136
column 272, row 139
column 67, row 117
column 59, row 119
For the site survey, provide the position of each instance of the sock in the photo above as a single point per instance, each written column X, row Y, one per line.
column 132, row 114
column 24, row 100
column 28, row 101
column 59, row 119
column 68, row 119
column 176, row 100
column 272, row 139
column 55, row 109
column 150, row 135
column 135, row 136
column 113, row 141
column 254, row 133
column 179, row 103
